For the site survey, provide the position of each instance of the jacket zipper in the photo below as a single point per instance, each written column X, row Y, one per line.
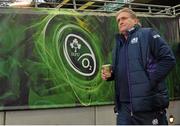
column 127, row 68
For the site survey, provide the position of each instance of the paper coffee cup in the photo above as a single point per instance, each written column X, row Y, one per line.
column 107, row 69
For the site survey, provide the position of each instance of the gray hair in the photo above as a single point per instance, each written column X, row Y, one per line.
column 128, row 10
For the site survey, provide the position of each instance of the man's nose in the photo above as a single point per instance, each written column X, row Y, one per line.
column 120, row 23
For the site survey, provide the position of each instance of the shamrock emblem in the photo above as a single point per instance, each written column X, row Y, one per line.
column 75, row 44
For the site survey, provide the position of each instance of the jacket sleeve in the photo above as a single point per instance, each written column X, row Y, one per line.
column 163, row 55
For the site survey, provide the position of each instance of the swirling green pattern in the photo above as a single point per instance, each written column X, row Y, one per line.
column 78, row 89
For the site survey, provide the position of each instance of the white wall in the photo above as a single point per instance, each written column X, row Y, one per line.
column 100, row 115
column 174, row 109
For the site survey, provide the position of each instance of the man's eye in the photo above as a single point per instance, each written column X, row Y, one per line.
column 123, row 18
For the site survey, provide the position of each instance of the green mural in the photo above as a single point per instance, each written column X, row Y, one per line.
column 69, row 51
column 52, row 58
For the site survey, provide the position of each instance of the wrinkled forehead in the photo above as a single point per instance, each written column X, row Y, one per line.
column 123, row 15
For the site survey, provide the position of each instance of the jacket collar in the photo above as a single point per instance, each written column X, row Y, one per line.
column 130, row 31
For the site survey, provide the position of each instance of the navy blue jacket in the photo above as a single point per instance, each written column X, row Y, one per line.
column 149, row 61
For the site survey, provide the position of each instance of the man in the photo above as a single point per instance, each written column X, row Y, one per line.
column 141, row 61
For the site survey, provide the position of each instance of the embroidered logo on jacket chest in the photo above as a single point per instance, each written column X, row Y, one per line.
column 134, row 40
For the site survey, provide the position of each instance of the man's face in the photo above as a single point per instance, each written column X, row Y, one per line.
column 125, row 22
